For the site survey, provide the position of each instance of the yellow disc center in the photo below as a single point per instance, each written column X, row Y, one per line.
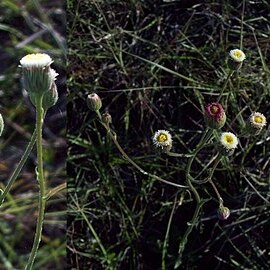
column 162, row 138
column 258, row 119
column 214, row 109
column 37, row 56
column 229, row 139
column 237, row 54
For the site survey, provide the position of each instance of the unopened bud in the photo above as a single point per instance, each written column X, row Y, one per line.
column 94, row 102
column 50, row 97
column 214, row 115
column 223, row 212
column 106, row 118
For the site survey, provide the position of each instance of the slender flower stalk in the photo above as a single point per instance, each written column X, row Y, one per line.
column 42, row 184
column 218, row 158
column 18, row 169
column 225, row 85
column 121, row 150
column 39, row 81
column 199, row 203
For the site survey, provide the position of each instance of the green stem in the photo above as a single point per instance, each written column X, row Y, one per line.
column 121, row 150
column 18, row 169
column 199, row 204
column 171, row 154
column 211, row 175
column 225, row 85
column 165, row 244
column 41, row 181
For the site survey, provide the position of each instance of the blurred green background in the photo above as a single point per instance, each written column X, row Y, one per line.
column 155, row 64
column 30, row 27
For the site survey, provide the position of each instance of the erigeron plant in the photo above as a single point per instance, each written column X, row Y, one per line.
column 39, row 81
column 226, row 143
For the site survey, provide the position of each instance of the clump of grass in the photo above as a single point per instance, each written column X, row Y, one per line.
column 155, row 69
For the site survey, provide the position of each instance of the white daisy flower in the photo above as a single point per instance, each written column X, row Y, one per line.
column 257, row 120
column 228, row 140
column 162, row 139
column 37, row 60
column 237, row 55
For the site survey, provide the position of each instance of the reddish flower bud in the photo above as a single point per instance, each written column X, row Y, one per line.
column 215, row 116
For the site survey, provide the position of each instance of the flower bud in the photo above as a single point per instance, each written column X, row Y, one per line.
column 223, row 212
column 214, row 115
column 106, row 118
column 227, row 144
column 94, row 102
column 37, row 76
column 1, row 124
column 236, row 59
column 256, row 123
column 50, row 97
column 162, row 140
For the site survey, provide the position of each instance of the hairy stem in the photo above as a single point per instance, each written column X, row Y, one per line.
column 211, row 175
column 225, row 85
column 121, row 150
column 42, row 185
column 199, row 204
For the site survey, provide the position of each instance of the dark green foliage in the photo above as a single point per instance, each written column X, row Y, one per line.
column 155, row 64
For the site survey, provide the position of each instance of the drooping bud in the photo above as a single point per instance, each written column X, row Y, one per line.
column 1, row 124
column 214, row 115
column 227, row 143
column 94, row 102
column 106, row 118
column 162, row 140
column 223, row 212
column 236, row 59
column 37, row 76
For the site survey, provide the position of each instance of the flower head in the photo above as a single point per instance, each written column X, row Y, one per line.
column 37, row 75
column 257, row 120
column 94, row 102
column 223, row 212
column 36, row 60
column 215, row 116
column 106, row 118
column 50, row 97
column 228, row 140
column 237, row 55
column 162, row 139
